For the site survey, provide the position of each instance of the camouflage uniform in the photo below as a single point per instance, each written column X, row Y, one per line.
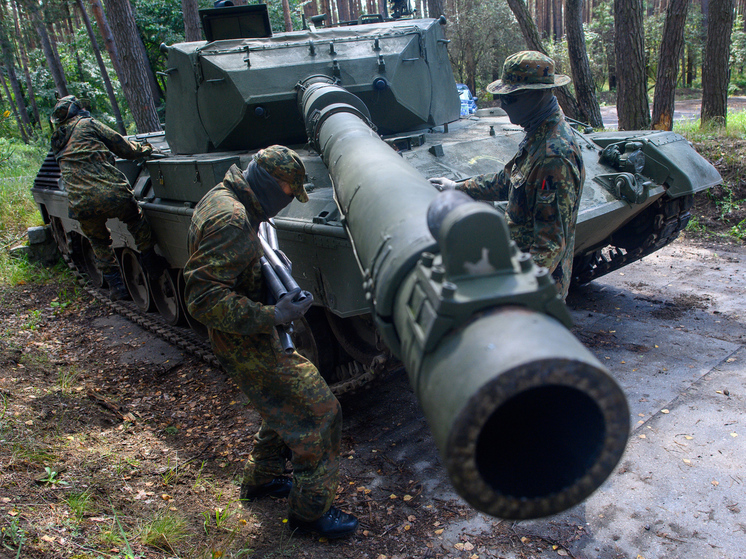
column 96, row 189
column 543, row 182
column 224, row 287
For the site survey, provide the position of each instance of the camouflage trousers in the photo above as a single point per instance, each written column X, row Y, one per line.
column 94, row 227
column 299, row 413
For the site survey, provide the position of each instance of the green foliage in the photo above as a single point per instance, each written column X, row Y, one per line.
column 52, row 477
column 694, row 132
column 17, row 208
column 81, row 504
column 482, row 35
column 600, row 45
column 164, row 531
column 276, row 17
column 737, row 57
column 66, row 377
column 18, row 212
column 220, row 517
column 13, row 537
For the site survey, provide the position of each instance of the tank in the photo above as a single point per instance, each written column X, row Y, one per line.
column 525, row 427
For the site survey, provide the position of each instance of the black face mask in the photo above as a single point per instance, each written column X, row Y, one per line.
column 266, row 189
column 529, row 108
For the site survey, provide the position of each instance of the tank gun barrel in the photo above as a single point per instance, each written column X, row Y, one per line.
column 527, row 421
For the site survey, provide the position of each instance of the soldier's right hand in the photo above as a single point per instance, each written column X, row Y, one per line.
column 442, row 183
column 292, row 305
column 147, row 149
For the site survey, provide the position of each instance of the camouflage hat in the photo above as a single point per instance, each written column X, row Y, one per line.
column 66, row 108
column 285, row 165
column 527, row 69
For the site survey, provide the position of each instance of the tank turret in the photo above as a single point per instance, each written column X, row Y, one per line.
column 239, row 94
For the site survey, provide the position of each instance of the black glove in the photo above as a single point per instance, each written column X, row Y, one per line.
column 442, row 183
column 292, row 305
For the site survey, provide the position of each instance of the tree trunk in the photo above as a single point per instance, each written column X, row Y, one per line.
column 344, row 10
column 53, row 44
column 611, row 64
column 715, row 74
column 557, row 20
column 71, row 31
column 632, row 96
column 533, row 40
column 585, row 88
column 21, row 131
column 192, row 30
column 55, row 68
column 102, row 67
column 134, row 66
column 105, row 30
column 672, row 46
column 147, row 68
column 8, row 60
column 286, row 15
column 435, row 8
column 24, row 63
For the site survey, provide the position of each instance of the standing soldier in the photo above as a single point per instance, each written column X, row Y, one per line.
column 98, row 191
column 225, row 291
column 543, row 182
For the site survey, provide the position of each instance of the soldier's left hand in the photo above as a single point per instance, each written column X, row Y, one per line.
column 442, row 183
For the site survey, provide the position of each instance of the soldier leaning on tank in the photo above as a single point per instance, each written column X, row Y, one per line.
column 225, row 291
column 543, row 182
column 98, row 191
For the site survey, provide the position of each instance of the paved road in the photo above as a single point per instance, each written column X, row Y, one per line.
column 685, row 109
column 672, row 330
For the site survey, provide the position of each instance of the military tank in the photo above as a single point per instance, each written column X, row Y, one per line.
column 373, row 109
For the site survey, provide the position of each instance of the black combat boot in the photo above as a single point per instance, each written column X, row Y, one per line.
column 117, row 289
column 333, row 524
column 279, row 487
column 153, row 263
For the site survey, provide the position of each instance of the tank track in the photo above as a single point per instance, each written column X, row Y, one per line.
column 356, row 375
column 670, row 218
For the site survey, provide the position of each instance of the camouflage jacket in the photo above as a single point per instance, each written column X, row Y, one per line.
column 223, row 275
column 83, row 148
column 542, row 185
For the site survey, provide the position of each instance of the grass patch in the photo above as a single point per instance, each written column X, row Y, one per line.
column 81, row 504
column 18, row 211
column 66, row 378
column 693, row 130
column 164, row 531
column 721, row 213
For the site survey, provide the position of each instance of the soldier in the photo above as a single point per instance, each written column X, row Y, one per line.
column 225, row 291
column 98, row 191
column 543, row 182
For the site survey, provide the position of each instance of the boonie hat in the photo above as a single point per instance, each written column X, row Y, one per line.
column 528, row 69
column 65, row 108
column 285, row 165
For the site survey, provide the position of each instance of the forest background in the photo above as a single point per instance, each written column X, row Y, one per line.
column 627, row 52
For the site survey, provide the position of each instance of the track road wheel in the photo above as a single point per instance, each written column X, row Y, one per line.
column 136, row 280
column 166, row 298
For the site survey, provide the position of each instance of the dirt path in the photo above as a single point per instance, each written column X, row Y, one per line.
column 150, row 433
